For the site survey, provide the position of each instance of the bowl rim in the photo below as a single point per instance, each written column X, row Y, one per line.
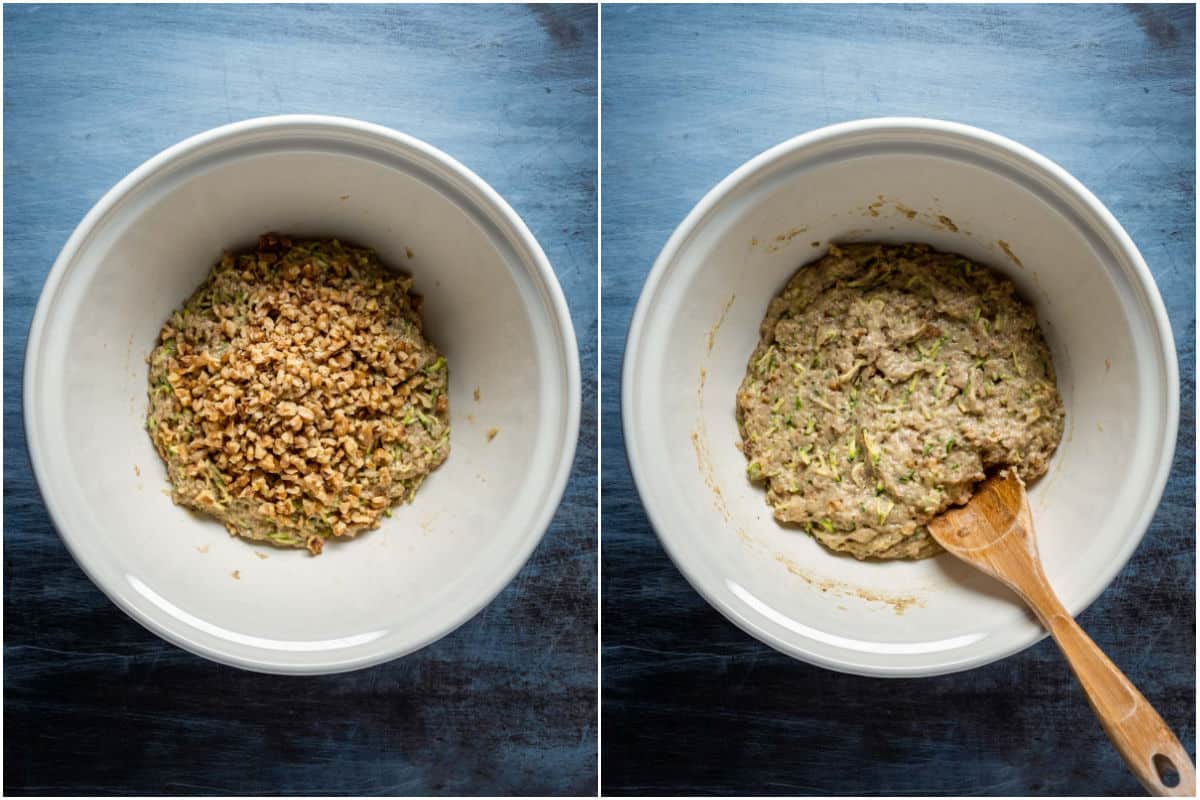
column 535, row 262
column 747, row 172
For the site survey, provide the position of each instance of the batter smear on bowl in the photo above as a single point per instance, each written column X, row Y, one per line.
column 886, row 381
column 294, row 397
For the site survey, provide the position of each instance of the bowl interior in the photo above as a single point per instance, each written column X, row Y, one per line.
column 701, row 323
column 436, row 561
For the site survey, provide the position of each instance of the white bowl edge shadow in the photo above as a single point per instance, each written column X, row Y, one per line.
column 488, row 218
column 764, row 175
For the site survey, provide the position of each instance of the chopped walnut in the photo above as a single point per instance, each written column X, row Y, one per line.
column 294, row 397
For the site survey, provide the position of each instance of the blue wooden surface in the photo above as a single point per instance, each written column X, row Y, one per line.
column 96, row 704
column 693, row 705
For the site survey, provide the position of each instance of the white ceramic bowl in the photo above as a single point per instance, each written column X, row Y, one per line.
column 492, row 306
column 959, row 189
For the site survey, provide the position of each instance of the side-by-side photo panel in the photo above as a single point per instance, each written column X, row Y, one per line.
column 354, row 446
column 300, row 425
column 898, row 346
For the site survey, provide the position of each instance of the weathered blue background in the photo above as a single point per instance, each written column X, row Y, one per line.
column 691, row 704
column 94, row 703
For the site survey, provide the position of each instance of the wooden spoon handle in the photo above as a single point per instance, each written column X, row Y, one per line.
column 1137, row 731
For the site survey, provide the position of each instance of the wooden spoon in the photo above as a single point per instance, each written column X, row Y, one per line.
column 994, row 533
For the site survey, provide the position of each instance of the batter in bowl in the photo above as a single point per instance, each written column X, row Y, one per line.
column 294, row 397
column 887, row 380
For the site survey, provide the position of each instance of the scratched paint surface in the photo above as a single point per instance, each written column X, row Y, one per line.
column 691, row 704
column 94, row 704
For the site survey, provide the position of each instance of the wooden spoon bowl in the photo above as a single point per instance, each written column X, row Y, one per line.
column 994, row 533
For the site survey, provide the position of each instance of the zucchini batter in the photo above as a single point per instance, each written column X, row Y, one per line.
column 886, row 381
column 294, row 397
